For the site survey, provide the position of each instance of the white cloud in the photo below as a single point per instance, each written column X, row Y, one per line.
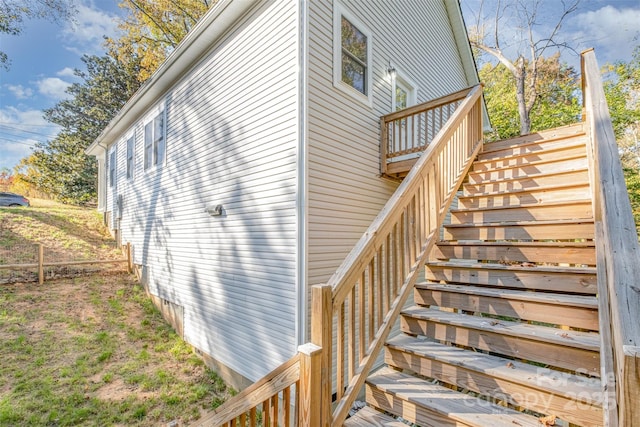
column 66, row 72
column 89, row 28
column 19, row 91
column 20, row 130
column 53, row 87
column 611, row 30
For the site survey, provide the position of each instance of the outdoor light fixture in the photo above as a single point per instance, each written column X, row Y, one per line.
column 391, row 70
column 214, row 210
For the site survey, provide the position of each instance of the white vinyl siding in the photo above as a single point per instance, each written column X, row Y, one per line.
column 345, row 192
column 231, row 128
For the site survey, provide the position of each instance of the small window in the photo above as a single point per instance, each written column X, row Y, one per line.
column 112, row 168
column 352, row 54
column 154, row 141
column 130, row 156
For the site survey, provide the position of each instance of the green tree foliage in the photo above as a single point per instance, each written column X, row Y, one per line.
column 622, row 90
column 152, row 29
column 557, row 105
column 13, row 13
column 60, row 167
column 527, row 37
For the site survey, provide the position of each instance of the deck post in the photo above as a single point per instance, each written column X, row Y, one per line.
column 321, row 335
column 310, row 385
column 129, row 264
column 40, row 263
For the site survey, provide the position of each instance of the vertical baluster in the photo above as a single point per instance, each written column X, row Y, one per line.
column 394, row 258
column 384, row 306
column 253, row 417
column 286, row 402
column 361, row 315
column 266, row 413
column 387, row 269
column 370, row 307
column 411, row 231
column 274, row 410
column 340, row 353
column 233, row 423
column 352, row 333
column 375, row 277
column 404, row 258
column 243, row 419
column 433, row 201
column 413, row 132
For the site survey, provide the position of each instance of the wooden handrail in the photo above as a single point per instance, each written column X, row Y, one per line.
column 370, row 287
column 618, row 254
column 245, row 406
column 411, row 130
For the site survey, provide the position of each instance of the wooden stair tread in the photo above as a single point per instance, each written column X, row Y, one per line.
column 444, row 402
column 524, row 206
column 368, row 416
column 561, row 244
column 522, row 222
column 513, row 294
column 547, row 380
column 583, row 340
column 529, row 171
column 533, row 147
column 573, row 150
column 572, row 253
column 517, row 191
column 492, row 266
column 539, row 175
column 564, row 132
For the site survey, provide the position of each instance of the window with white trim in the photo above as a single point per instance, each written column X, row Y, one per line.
column 130, row 156
column 112, row 167
column 154, row 140
column 352, row 54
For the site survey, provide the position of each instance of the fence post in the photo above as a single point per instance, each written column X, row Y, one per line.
column 310, row 385
column 40, row 263
column 129, row 263
column 322, row 336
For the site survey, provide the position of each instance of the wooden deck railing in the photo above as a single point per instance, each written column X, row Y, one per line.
column 618, row 258
column 406, row 133
column 361, row 302
column 274, row 400
column 359, row 305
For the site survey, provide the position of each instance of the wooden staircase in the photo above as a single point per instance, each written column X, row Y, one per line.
column 504, row 330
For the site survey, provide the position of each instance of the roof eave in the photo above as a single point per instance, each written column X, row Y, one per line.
column 213, row 25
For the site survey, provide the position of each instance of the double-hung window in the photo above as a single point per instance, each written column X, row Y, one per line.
column 352, row 54
column 154, row 140
column 130, row 156
column 112, row 167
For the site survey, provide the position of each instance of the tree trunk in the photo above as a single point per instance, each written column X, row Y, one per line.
column 520, row 75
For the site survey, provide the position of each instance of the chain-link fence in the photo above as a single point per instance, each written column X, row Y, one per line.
column 36, row 262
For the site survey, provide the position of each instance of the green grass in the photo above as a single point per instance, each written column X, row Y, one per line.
column 95, row 351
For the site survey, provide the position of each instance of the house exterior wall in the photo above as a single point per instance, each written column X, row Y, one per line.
column 345, row 190
column 231, row 140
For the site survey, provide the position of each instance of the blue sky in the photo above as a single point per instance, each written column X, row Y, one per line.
column 44, row 55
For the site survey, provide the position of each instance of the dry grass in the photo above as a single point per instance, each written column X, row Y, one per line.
column 91, row 349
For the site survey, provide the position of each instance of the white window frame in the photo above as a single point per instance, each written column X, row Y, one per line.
column 159, row 111
column 405, row 81
column 338, row 12
column 113, row 167
column 130, row 167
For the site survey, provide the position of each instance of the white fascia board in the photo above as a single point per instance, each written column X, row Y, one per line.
column 190, row 51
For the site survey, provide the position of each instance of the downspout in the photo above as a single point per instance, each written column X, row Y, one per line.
column 302, row 288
